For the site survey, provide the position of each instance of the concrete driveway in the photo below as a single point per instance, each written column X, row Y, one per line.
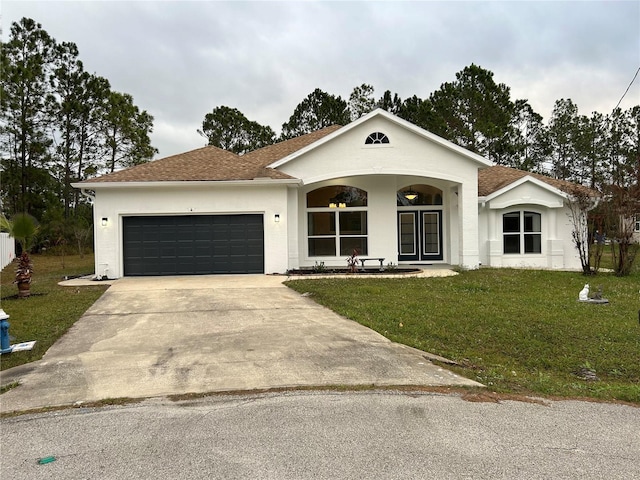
column 172, row 335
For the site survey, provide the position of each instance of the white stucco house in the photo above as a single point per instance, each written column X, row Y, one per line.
column 380, row 185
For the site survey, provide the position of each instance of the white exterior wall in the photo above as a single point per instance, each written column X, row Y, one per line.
column 406, row 154
column 190, row 199
column 381, row 170
column 569, row 252
column 469, row 255
column 293, row 227
column 558, row 251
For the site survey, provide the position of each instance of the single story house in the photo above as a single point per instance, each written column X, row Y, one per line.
column 379, row 185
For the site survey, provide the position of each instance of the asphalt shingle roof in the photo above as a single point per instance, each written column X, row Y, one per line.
column 272, row 153
column 494, row 178
column 214, row 164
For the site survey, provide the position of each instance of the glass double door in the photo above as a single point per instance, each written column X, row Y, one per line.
column 420, row 235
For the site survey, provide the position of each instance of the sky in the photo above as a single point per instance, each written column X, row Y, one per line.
column 181, row 59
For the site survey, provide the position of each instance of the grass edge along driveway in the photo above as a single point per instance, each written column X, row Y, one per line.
column 51, row 310
column 516, row 331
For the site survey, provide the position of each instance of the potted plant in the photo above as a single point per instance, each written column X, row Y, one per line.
column 24, row 228
column 352, row 262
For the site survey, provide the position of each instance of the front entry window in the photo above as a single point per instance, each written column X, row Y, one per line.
column 420, row 214
column 407, row 230
column 431, row 229
column 522, row 232
column 420, row 235
column 337, row 221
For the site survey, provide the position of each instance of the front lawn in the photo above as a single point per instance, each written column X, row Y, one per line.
column 517, row 331
column 51, row 310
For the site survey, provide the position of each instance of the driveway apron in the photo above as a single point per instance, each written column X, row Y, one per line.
column 157, row 336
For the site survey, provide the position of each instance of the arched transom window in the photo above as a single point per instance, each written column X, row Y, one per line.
column 337, row 221
column 376, row 138
column 337, row 196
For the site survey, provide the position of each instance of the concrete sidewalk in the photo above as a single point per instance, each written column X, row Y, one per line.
column 159, row 336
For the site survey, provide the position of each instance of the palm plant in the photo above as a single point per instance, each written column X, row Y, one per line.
column 24, row 228
column 23, row 275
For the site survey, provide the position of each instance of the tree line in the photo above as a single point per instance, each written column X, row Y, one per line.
column 476, row 113
column 60, row 124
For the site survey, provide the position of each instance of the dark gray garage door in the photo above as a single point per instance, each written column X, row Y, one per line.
column 193, row 245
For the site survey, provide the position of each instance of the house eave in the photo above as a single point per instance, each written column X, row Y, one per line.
column 189, row 183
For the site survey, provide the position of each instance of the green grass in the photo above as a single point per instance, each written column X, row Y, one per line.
column 51, row 310
column 515, row 331
column 606, row 262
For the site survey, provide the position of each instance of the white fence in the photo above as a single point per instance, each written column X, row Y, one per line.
column 7, row 249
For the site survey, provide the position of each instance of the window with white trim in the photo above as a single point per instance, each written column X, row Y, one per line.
column 637, row 224
column 522, row 232
column 337, row 221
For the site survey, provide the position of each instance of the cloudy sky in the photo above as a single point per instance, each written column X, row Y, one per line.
column 182, row 59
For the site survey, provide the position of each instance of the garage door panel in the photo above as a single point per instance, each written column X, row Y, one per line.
column 202, row 251
column 186, row 245
column 150, row 251
column 202, row 235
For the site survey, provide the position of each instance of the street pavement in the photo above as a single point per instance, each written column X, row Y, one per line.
column 326, row 435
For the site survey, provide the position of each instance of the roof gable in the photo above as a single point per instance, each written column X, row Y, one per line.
column 483, row 162
column 526, row 190
column 496, row 180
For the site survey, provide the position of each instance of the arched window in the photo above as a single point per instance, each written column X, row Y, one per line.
column 337, row 221
column 522, row 232
column 418, row 195
column 376, row 138
column 337, row 196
